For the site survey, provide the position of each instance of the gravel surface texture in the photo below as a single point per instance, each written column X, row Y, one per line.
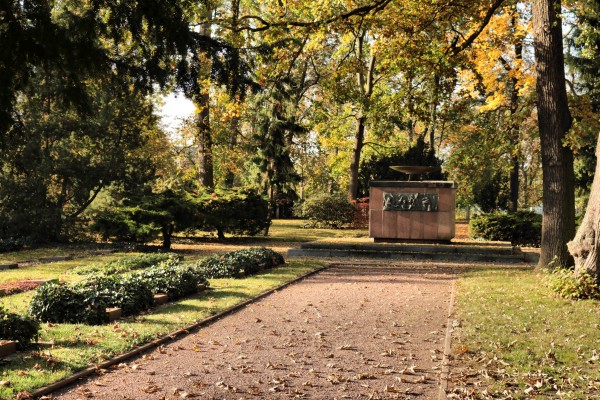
column 372, row 331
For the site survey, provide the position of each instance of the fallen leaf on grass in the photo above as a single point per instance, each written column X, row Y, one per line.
column 5, row 383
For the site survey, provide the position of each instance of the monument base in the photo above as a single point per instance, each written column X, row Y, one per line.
column 419, row 212
column 411, row 241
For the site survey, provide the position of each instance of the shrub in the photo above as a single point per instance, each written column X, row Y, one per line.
column 59, row 302
column 18, row 328
column 238, row 212
column 328, row 210
column 175, row 281
column 143, row 218
column 128, row 263
column 10, row 244
column 240, row 263
column 130, row 294
column 523, row 228
column 566, row 284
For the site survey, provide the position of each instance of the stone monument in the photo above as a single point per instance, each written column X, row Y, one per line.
column 412, row 211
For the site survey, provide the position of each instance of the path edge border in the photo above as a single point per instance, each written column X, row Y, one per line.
column 445, row 374
column 45, row 390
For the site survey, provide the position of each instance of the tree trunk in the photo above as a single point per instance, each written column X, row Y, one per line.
column 554, row 120
column 204, row 141
column 514, row 184
column 585, row 247
column 514, row 127
column 365, row 81
column 204, row 134
column 359, row 139
column 167, row 233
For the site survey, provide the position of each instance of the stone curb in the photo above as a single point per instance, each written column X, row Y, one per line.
column 445, row 375
column 167, row 338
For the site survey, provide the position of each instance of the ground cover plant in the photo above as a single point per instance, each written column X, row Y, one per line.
column 87, row 300
column 240, row 263
column 18, row 328
column 518, row 340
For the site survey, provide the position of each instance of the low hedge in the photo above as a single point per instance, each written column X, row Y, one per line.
column 18, row 328
column 128, row 263
column 521, row 228
column 240, row 263
column 175, row 282
column 86, row 301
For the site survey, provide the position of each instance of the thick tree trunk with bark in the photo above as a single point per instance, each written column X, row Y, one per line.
column 514, row 136
column 203, row 133
column 359, row 141
column 554, row 120
column 204, row 142
column 585, row 247
column 365, row 81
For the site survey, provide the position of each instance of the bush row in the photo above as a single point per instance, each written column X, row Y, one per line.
column 17, row 328
column 86, row 301
column 240, row 263
column 521, row 228
column 128, row 263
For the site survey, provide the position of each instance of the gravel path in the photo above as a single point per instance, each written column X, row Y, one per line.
column 352, row 331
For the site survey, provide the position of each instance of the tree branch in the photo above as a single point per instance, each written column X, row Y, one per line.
column 264, row 24
column 469, row 41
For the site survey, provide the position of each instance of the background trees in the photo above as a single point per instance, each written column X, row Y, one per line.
column 292, row 99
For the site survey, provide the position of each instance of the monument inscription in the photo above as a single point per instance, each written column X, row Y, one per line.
column 410, row 201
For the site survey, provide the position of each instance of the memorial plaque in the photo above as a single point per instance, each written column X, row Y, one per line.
column 410, row 202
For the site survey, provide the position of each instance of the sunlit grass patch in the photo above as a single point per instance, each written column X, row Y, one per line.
column 517, row 339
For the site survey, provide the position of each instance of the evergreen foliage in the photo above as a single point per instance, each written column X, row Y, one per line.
column 18, row 328
column 377, row 167
column 142, row 218
column 328, row 210
column 521, row 228
column 233, row 211
column 240, row 263
column 86, row 301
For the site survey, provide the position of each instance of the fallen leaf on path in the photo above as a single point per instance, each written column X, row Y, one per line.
column 151, row 389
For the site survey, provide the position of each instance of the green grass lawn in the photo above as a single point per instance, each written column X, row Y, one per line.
column 517, row 340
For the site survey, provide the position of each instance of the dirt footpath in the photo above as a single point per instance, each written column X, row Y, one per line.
column 352, row 331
